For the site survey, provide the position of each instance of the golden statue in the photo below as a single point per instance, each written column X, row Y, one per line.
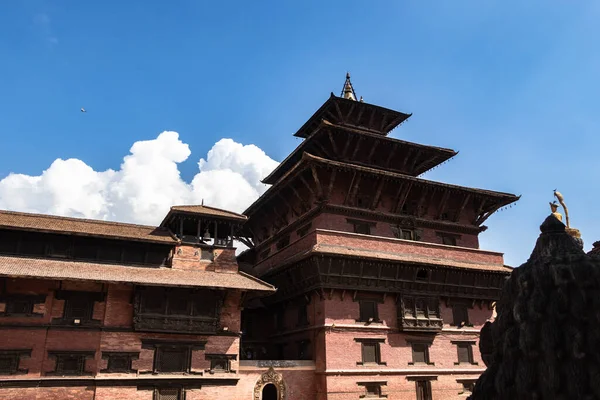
column 553, row 206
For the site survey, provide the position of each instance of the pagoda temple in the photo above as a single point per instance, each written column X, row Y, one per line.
column 380, row 277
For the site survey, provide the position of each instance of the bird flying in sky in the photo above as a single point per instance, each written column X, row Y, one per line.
column 83, row 109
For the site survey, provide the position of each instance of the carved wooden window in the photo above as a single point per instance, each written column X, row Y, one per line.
column 460, row 313
column 304, row 350
column 423, row 390
column 21, row 305
column 465, row 352
column 119, row 361
column 181, row 310
column 447, row 239
column 373, row 390
column 422, row 275
column 60, row 247
column 9, row 361
column 371, row 352
column 304, row 230
column 70, row 362
column 168, row 394
column 420, row 353
column 284, row 241
column 368, row 311
column 220, row 362
column 362, row 227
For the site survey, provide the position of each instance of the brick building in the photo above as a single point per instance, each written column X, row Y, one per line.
column 361, row 280
column 102, row 310
column 379, row 275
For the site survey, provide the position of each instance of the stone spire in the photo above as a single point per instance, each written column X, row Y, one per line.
column 348, row 90
column 545, row 342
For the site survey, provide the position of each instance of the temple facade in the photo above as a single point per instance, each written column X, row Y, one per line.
column 379, row 273
column 361, row 280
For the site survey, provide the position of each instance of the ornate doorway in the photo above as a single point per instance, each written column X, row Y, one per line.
column 270, row 386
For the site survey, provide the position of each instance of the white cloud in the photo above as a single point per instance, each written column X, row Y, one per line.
column 145, row 186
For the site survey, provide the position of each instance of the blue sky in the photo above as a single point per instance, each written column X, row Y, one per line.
column 512, row 85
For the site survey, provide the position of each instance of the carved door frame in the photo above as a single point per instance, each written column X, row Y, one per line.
column 270, row 377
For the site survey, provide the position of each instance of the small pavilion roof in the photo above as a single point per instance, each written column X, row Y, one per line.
column 204, row 211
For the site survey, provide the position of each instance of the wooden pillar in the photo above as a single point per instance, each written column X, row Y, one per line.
column 199, row 232
column 215, row 241
column 180, row 227
column 230, row 244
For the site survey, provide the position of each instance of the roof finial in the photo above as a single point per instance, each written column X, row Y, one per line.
column 348, row 90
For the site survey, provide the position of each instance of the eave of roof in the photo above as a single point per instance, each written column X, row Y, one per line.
column 502, row 198
column 38, row 268
column 285, row 164
column 84, row 227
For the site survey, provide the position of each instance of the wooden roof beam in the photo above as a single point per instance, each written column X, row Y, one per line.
column 315, row 176
column 346, row 147
column 372, row 118
column 383, row 120
column 331, row 182
column 287, row 203
column 357, row 147
column 402, row 200
column 373, row 148
column 350, row 111
column 339, row 112
column 442, row 207
column 359, row 116
column 310, row 189
column 333, row 145
column 347, row 199
column 391, row 155
column 354, row 189
column 303, row 203
column 393, row 123
column 377, row 194
column 466, row 199
column 407, row 157
column 418, row 155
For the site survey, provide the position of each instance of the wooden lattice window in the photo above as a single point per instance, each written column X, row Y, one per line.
column 21, row 305
column 420, row 353
column 304, row 230
column 70, row 362
column 362, row 228
column 168, row 394
column 460, row 314
column 284, row 241
column 368, row 311
column 172, row 359
column 10, row 359
column 371, row 352
column 119, row 361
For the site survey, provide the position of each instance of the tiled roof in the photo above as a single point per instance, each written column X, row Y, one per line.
column 86, row 227
column 209, row 211
column 21, row 267
column 328, row 249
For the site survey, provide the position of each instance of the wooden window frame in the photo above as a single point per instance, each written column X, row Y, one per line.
column 460, row 324
column 304, row 345
column 379, row 388
column 303, row 319
column 377, row 344
column 157, row 396
column 364, row 318
column 465, row 343
column 356, row 222
column 427, row 345
column 15, row 357
column 29, row 300
column 303, row 231
column 158, row 347
column 283, row 242
column 112, row 355
column 75, row 297
column 220, row 357
column 63, row 355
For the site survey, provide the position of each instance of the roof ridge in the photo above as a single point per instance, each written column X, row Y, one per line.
column 205, row 206
column 77, row 219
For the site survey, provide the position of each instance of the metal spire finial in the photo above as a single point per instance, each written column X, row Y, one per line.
column 348, row 90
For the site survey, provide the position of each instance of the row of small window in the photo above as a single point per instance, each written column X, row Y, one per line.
column 416, row 308
column 371, row 352
column 365, row 228
column 374, row 390
column 167, row 359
